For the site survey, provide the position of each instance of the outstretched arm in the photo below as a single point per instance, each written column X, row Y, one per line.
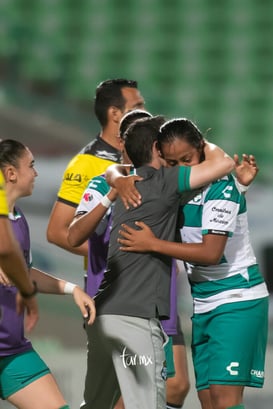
column 49, row 284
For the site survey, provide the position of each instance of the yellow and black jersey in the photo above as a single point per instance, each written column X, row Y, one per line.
column 3, row 198
column 91, row 161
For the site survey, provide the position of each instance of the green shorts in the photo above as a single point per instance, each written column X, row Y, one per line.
column 229, row 344
column 19, row 370
column 168, row 349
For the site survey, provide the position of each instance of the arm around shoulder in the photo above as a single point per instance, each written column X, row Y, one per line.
column 217, row 164
column 116, row 171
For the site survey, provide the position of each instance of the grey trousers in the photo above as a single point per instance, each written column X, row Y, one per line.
column 125, row 356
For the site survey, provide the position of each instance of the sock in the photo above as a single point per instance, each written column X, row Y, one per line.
column 172, row 406
column 241, row 406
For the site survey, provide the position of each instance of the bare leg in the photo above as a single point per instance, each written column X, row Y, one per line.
column 221, row 396
column 178, row 386
column 225, row 396
column 204, row 398
column 43, row 393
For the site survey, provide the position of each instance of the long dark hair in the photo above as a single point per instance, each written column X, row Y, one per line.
column 184, row 129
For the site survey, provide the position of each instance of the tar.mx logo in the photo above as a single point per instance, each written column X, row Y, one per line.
column 231, row 368
column 134, row 360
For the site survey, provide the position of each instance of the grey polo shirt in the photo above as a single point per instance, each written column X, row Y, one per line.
column 138, row 284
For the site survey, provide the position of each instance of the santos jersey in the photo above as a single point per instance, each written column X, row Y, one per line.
column 93, row 160
column 99, row 240
column 12, row 339
column 220, row 209
column 3, row 198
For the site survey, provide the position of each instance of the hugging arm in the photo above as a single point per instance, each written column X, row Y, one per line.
column 208, row 252
column 216, row 165
column 84, row 225
column 118, row 177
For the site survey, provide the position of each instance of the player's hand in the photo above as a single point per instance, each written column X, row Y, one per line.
column 4, row 280
column 133, row 240
column 127, row 190
column 86, row 304
column 30, row 306
column 246, row 170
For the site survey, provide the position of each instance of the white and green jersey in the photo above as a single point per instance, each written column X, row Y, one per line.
column 220, row 209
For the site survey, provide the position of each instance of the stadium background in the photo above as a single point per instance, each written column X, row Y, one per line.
column 208, row 60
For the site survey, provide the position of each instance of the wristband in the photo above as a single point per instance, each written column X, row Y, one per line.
column 69, row 287
column 106, row 202
column 34, row 292
column 241, row 188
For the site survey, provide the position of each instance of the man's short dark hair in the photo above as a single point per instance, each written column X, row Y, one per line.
column 140, row 137
column 108, row 93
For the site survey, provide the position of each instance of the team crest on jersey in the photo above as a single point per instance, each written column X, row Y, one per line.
column 87, row 197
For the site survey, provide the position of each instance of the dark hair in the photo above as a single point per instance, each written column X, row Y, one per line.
column 140, row 137
column 10, row 151
column 108, row 93
column 131, row 117
column 181, row 128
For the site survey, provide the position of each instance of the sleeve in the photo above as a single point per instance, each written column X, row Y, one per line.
column 220, row 208
column 79, row 171
column 176, row 182
column 96, row 189
column 184, row 178
column 3, row 198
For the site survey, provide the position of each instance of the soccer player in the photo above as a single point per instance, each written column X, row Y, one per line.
column 13, row 263
column 25, row 380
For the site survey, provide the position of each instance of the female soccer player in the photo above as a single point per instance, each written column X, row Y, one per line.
column 25, row 380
